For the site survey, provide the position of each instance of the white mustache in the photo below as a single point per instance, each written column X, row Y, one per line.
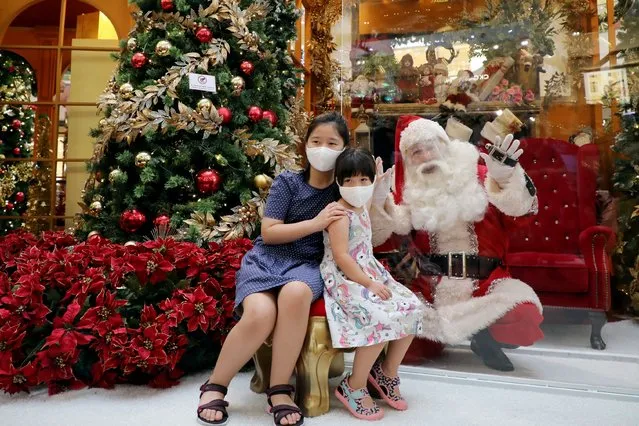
column 441, row 165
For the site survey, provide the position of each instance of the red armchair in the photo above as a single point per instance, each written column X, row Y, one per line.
column 564, row 255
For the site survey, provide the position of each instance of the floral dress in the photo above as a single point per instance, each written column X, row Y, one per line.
column 356, row 316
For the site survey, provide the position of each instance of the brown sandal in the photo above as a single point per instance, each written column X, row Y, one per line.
column 283, row 410
column 217, row 404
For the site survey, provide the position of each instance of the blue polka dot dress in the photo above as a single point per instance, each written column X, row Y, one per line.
column 266, row 267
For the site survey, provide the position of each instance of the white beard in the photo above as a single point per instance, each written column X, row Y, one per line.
column 448, row 196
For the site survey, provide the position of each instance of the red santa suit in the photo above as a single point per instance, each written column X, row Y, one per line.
column 466, row 211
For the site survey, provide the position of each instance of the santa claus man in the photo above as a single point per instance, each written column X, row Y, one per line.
column 456, row 215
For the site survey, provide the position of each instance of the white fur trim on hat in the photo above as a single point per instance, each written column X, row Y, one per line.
column 456, row 130
column 490, row 132
column 420, row 131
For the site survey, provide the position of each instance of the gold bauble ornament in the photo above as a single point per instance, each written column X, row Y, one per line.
column 262, row 182
column 95, row 207
column 4, row 128
column 238, row 85
column 204, row 105
column 163, row 47
column 142, row 159
column 132, row 43
column 93, row 234
column 126, row 91
column 115, row 175
column 2, row 157
column 129, row 243
column 103, row 122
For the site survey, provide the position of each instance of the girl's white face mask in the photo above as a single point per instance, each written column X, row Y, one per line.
column 357, row 196
column 322, row 158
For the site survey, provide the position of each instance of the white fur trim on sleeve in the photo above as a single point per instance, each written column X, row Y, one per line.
column 386, row 223
column 513, row 198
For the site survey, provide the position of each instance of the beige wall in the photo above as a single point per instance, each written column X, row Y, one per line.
column 117, row 11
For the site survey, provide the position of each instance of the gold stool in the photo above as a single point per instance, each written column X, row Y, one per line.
column 318, row 362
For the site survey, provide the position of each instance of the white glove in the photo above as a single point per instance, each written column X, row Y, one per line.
column 383, row 183
column 497, row 170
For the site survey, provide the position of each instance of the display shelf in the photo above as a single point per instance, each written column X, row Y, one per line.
column 473, row 108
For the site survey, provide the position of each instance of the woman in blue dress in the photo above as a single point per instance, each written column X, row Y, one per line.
column 280, row 277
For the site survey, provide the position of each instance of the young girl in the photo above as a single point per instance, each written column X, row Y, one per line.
column 365, row 306
column 280, row 276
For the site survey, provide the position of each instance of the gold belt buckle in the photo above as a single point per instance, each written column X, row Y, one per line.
column 450, row 266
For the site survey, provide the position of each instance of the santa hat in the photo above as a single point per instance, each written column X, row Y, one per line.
column 412, row 130
column 504, row 124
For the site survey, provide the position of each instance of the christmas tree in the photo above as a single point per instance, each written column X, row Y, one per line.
column 626, row 176
column 195, row 121
column 16, row 139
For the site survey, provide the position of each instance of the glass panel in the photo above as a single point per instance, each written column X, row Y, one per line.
column 562, row 77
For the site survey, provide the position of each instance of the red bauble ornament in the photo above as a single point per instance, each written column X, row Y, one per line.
column 208, row 181
column 17, row 151
column 167, row 5
column 9, row 206
column 138, row 60
column 12, row 68
column 270, row 116
column 204, row 35
column 132, row 220
column 255, row 113
column 19, row 197
column 247, row 67
column 162, row 220
column 226, row 115
column 16, row 124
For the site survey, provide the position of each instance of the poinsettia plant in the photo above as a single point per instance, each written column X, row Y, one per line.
column 95, row 313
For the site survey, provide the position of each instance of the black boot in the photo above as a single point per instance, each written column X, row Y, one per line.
column 485, row 347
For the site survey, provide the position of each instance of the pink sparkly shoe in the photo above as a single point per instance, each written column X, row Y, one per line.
column 353, row 400
column 386, row 387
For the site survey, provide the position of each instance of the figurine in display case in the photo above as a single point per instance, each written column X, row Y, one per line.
column 408, row 81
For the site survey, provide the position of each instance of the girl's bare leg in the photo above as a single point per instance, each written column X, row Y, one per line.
column 256, row 324
column 365, row 357
column 293, row 307
column 396, row 351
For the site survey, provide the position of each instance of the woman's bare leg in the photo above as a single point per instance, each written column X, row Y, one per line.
column 293, row 307
column 256, row 324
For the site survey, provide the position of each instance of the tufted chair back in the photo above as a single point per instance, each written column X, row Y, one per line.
column 566, row 179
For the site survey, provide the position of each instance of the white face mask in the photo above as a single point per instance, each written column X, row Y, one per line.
column 322, row 158
column 357, row 196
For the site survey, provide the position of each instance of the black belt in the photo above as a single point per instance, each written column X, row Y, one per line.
column 459, row 265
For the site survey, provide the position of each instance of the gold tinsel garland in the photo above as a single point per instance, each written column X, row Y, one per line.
column 39, row 195
column 324, row 14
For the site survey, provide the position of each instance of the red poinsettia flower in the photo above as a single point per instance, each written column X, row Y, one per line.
column 92, row 280
column 151, row 267
column 166, row 378
column 5, row 284
column 101, row 378
column 56, row 362
column 62, row 267
column 113, row 348
column 172, row 311
column 59, row 239
column 29, row 287
column 14, row 380
column 199, row 309
column 11, row 337
column 149, row 346
column 60, row 386
column 29, row 311
column 63, row 333
column 175, row 348
column 225, row 309
column 228, row 278
column 12, row 245
column 103, row 317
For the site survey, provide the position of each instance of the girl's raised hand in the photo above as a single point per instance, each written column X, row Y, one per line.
column 331, row 213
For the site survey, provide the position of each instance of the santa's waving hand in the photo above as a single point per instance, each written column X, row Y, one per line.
column 457, row 215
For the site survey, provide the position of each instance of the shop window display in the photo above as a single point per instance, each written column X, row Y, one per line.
column 561, row 76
